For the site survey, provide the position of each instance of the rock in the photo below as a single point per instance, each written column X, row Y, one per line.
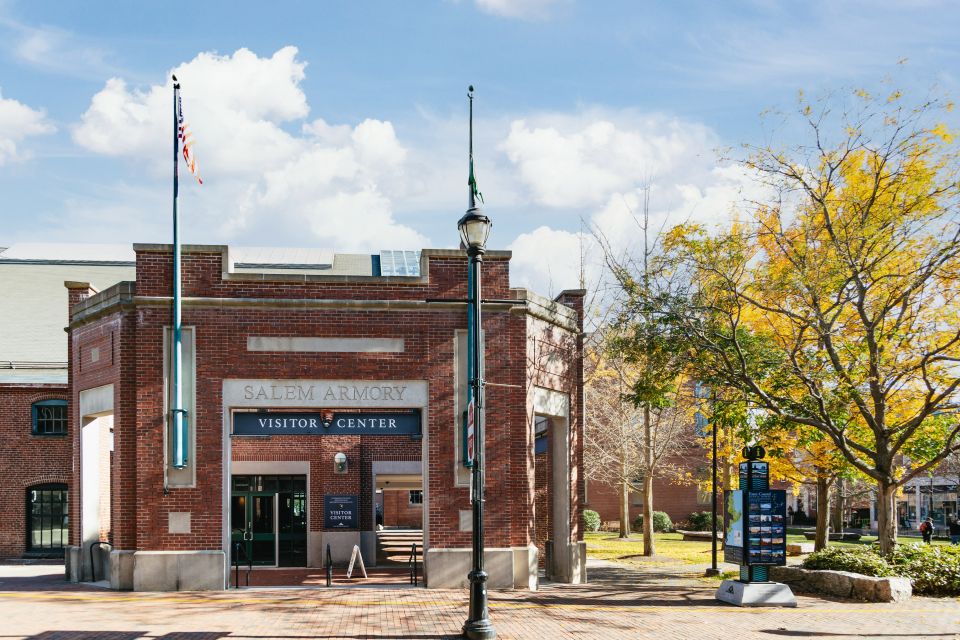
column 864, row 588
column 799, row 548
column 893, row 590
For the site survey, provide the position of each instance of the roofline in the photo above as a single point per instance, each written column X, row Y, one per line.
column 68, row 262
column 223, row 248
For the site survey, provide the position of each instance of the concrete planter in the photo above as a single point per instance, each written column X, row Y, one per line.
column 844, row 584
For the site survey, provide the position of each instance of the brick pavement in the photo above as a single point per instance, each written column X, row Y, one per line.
column 657, row 602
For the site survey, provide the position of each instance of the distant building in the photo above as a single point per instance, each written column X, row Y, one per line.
column 36, row 487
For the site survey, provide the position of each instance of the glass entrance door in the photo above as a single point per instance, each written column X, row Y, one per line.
column 269, row 520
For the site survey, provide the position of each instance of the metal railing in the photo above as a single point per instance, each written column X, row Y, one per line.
column 329, row 563
column 238, row 549
column 93, row 566
column 414, row 579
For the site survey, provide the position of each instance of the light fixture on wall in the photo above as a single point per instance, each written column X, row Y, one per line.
column 340, row 463
column 326, row 419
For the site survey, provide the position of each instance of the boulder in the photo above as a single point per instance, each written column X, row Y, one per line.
column 844, row 584
column 893, row 589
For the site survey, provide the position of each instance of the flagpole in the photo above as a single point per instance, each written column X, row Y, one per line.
column 179, row 428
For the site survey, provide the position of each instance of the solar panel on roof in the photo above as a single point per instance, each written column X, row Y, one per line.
column 399, row 263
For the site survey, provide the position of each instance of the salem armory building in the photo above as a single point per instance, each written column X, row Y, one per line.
column 312, row 381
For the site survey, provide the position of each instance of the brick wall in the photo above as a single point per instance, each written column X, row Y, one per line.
column 677, row 500
column 398, row 512
column 28, row 460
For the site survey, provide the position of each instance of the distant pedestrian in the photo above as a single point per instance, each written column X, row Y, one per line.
column 926, row 529
column 954, row 530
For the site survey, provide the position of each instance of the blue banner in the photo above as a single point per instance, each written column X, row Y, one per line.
column 274, row 423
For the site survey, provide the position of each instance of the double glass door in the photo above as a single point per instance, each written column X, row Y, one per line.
column 268, row 517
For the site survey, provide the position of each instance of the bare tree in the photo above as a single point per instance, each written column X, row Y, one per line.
column 627, row 446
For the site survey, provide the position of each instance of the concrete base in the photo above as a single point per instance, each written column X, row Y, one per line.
column 756, row 594
column 73, row 566
column 341, row 546
column 77, row 566
column 513, row 568
column 121, row 570
column 178, row 570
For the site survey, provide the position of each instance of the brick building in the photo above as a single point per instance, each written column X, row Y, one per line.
column 35, row 473
column 317, row 386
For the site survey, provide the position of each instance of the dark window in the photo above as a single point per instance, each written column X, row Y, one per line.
column 700, row 424
column 416, row 496
column 49, row 418
column 47, row 519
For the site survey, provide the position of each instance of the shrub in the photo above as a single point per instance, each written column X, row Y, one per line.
column 661, row 522
column 700, row 521
column 934, row 570
column 591, row 520
column 863, row 561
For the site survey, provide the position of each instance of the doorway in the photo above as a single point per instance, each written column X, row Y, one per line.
column 268, row 520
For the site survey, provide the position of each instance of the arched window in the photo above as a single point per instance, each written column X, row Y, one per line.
column 47, row 519
column 49, row 418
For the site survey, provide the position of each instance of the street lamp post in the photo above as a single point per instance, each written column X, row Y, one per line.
column 474, row 229
column 713, row 570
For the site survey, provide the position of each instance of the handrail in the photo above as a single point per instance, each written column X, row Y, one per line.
column 412, row 560
column 329, row 567
column 93, row 567
column 240, row 548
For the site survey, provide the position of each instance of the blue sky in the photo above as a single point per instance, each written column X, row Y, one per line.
column 343, row 124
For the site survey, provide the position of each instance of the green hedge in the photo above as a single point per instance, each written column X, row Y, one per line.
column 934, row 570
column 700, row 521
column 661, row 522
column 857, row 560
column 591, row 520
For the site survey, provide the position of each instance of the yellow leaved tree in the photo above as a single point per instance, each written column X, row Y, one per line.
column 833, row 303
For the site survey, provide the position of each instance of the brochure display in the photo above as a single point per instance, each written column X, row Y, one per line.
column 755, row 537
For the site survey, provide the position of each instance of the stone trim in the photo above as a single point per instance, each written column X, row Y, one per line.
column 306, row 344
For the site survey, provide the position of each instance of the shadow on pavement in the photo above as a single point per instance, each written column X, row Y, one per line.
column 795, row 633
column 623, row 586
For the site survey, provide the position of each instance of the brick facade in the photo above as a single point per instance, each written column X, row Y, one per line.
column 126, row 324
column 399, row 512
column 28, row 459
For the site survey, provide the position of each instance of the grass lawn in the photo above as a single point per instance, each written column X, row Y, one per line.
column 671, row 548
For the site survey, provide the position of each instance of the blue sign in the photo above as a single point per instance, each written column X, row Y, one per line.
column 766, row 527
column 274, row 423
column 340, row 512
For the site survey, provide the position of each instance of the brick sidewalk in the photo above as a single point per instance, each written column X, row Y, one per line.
column 620, row 603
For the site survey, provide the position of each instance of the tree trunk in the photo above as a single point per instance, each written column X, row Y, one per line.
column 838, row 506
column 649, row 546
column 823, row 514
column 624, row 509
column 886, row 516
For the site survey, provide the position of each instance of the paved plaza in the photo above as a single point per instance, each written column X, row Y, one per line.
column 657, row 602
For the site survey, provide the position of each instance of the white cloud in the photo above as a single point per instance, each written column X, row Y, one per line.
column 17, row 122
column 579, row 160
column 523, row 9
column 548, row 260
column 326, row 183
column 601, row 164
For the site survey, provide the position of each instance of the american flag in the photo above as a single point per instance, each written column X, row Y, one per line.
column 186, row 142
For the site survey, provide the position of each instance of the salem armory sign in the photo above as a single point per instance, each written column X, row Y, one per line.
column 273, row 423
